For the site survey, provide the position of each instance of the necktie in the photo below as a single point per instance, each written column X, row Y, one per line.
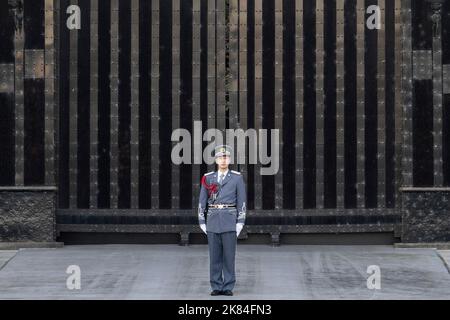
column 221, row 178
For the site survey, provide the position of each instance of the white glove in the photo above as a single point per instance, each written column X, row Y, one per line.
column 203, row 227
column 239, row 227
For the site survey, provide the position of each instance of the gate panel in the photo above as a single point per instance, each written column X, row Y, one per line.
column 137, row 70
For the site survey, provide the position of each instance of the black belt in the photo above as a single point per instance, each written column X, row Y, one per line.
column 222, row 206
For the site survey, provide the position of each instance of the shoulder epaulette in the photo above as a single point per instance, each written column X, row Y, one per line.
column 235, row 172
column 207, row 174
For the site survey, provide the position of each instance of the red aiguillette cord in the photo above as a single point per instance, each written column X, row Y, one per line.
column 212, row 188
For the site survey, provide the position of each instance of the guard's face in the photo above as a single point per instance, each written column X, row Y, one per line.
column 223, row 162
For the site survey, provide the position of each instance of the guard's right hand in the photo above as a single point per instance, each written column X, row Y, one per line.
column 203, row 227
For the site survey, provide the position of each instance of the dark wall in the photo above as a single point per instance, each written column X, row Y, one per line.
column 27, row 216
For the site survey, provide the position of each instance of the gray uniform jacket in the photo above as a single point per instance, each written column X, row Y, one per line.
column 232, row 191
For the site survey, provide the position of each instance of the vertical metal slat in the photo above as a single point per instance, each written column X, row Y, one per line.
column 407, row 163
column 340, row 106
column 49, row 94
column 398, row 102
column 175, row 95
column 437, row 111
column 258, row 95
column 155, row 106
column 19, row 39
column 319, row 105
column 73, row 131
column 94, row 106
column 196, row 4
column 220, row 65
column 381, row 80
column 242, row 81
column 114, row 164
column 299, row 104
column 211, row 68
column 234, row 65
column 134, row 143
column 279, row 99
column 360, row 182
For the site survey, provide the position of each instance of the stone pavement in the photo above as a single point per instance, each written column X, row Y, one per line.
column 445, row 256
column 263, row 272
column 5, row 256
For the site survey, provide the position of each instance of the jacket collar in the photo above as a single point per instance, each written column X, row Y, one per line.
column 226, row 179
column 219, row 173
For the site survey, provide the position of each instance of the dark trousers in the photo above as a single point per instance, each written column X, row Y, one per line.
column 222, row 252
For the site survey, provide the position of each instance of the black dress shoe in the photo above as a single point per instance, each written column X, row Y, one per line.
column 215, row 292
column 227, row 293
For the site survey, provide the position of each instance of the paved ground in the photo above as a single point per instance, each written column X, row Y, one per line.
column 445, row 255
column 5, row 256
column 263, row 272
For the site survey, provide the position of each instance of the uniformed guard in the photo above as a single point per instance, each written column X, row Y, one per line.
column 223, row 200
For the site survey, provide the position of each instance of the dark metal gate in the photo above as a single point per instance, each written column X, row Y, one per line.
column 137, row 70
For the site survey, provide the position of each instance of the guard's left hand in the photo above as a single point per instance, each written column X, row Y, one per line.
column 239, row 227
